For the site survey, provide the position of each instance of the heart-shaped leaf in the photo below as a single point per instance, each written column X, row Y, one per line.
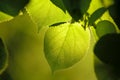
column 105, row 27
column 3, row 57
column 45, row 13
column 107, row 49
column 65, row 45
column 12, row 7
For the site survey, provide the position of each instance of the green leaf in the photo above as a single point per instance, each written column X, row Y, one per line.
column 65, row 45
column 4, row 17
column 96, row 15
column 76, row 8
column 114, row 12
column 45, row 13
column 3, row 57
column 105, row 27
column 12, row 7
column 25, row 45
column 107, row 49
column 59, row 3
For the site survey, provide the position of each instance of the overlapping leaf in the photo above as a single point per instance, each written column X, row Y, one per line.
column 96, row 15
column 76, row 8
column 105, row 27
column 107, row 49
column 12, row 7
column 45, row 13
column 65, row 45
column 25, row 49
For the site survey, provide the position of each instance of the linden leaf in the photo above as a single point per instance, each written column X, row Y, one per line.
column 107, row 49
column 105, row 27
column 45, row 13
column 65, row 45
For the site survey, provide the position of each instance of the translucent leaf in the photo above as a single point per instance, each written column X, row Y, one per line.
column 25, row 45
column 105, row 27
column 3, row 57
column 4, row 17
column 65, row 45
column 12, row 7
column 45, row 13
column 96, row 15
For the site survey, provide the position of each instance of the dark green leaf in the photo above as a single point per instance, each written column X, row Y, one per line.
column 56, row 24
column 105, row 27
column 59, row 3
column 96, row 15
column 76, row 8
column 3, row 57
column 107, row 49
column 12, row 7
column 114, row 11
column 5, row 76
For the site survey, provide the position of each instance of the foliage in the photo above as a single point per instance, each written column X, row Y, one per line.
column 59, row 40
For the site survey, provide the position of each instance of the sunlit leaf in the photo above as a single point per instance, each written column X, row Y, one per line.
column 107, row 3
column 4, row 17
column 3, row 57
column 25, row 45
column 65, row 45
column 105, row 27
column 96, row 15
column 45, row 13
column 12, row 7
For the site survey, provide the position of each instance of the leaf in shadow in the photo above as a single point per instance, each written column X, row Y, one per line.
column 59, row 4
column 84, row 5
column 96, row 15
column 105, row 27
column 105, row 72
column 114, row 11
column 57, row 24
column 12, row 7
column 5, row 76
column 76, row 8
column 3, row 57
column 107, row 49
